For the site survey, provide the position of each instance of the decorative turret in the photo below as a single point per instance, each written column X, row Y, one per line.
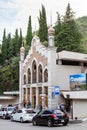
column 51, row 33
column 22, row 52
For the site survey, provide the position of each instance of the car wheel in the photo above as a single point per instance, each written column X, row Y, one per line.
column 49, row 123
column 4, row 117
column 65, row 123
column 34, row 122
column 21, row 120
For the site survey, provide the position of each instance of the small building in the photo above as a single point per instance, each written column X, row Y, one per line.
column 43, row 69
column 9, row 97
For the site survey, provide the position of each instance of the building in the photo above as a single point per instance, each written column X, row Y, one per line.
column 44, row 68
column 9, row 97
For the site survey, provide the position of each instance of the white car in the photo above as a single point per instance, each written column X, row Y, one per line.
column 23, row 115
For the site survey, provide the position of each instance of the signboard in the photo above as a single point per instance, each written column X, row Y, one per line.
column 78, row 81
column 57, row 90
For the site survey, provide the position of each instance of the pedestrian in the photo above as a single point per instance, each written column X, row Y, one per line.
column 24, row 103
column 62, row 107
column 28, row 104
column 41, row 107
column 45, row 107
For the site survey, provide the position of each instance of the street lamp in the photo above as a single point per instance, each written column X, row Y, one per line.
column 42, row 97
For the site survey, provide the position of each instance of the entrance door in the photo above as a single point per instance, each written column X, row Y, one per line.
column 33, row 97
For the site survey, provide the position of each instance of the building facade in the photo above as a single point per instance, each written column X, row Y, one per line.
column 44, row 68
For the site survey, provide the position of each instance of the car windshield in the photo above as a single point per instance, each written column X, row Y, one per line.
column 58, row 112
column 30, row 111
column 10, row 108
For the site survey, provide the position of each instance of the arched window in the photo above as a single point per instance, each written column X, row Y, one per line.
column 29, row 76
column 34, row 68
column 40, row 76
column 46, row 75
column 24, row 79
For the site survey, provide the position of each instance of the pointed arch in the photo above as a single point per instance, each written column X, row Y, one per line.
column 40, row 74
column 34, row 72
column 29, row 76
column 24, row 79
column 45, row 75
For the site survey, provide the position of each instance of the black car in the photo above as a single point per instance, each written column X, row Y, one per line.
column 50, row 117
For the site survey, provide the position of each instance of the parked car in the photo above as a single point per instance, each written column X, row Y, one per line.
column 50, row 117
column 5, row 112
column 23, row 115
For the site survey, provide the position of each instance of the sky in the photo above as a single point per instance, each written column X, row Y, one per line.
column 15, row 13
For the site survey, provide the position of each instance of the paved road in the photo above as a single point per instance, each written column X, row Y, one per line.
column 8, row 125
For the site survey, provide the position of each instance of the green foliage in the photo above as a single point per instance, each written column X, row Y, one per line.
column 43, row 30
column 9, row 62
column 4, row 47
column 9, row 76
column 82, row 23
column 29, row 33
column 67, row 34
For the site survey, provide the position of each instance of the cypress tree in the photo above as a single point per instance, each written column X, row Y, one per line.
column 29, row 33
column 43, row 30
column 20, row 38
column 4, row 47
column 8, row 46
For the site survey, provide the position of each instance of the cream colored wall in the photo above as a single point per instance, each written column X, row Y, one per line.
column 79, row 108
column 62, row 73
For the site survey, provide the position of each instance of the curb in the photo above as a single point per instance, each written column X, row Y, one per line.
column 75, row 121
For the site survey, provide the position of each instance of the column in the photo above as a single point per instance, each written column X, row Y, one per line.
column 31, row 95
column 36, row 97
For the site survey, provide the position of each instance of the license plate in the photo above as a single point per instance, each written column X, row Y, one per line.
column 62, row 121
column 30, row 115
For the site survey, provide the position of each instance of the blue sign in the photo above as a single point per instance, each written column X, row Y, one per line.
column 57, row 90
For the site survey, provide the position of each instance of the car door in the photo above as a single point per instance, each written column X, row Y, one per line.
column 19, row 114
column 45, row 116
column 16, row 115
column 2, row 111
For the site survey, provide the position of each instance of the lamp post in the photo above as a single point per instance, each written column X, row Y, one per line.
column 42, row 97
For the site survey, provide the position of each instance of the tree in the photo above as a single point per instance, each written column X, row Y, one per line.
column 16, row 43
column 43, row 30
column 29, row 33
column 8, row 46
column 57, row 29
column 20, row 38
column 4, row 47
column 69, row 37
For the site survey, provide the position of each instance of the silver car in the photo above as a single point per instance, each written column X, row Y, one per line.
column 5, row 112
column 23, row 115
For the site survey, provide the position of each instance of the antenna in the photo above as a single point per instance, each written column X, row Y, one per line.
column 50, row 18
column 35, row 29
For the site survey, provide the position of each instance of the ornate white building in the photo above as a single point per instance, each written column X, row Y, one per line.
column 44, row 68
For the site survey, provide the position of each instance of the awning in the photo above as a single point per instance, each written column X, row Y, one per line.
column 75, row 94
column 6, row 97
column 11, row 93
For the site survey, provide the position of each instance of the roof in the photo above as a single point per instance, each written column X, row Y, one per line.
column 7, row 97
column 75, row 94
column 11, row 92
column 74, row 56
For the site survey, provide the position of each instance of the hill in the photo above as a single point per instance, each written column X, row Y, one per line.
column 82, row 22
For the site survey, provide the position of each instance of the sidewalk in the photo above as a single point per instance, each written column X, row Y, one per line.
column 75, row 121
